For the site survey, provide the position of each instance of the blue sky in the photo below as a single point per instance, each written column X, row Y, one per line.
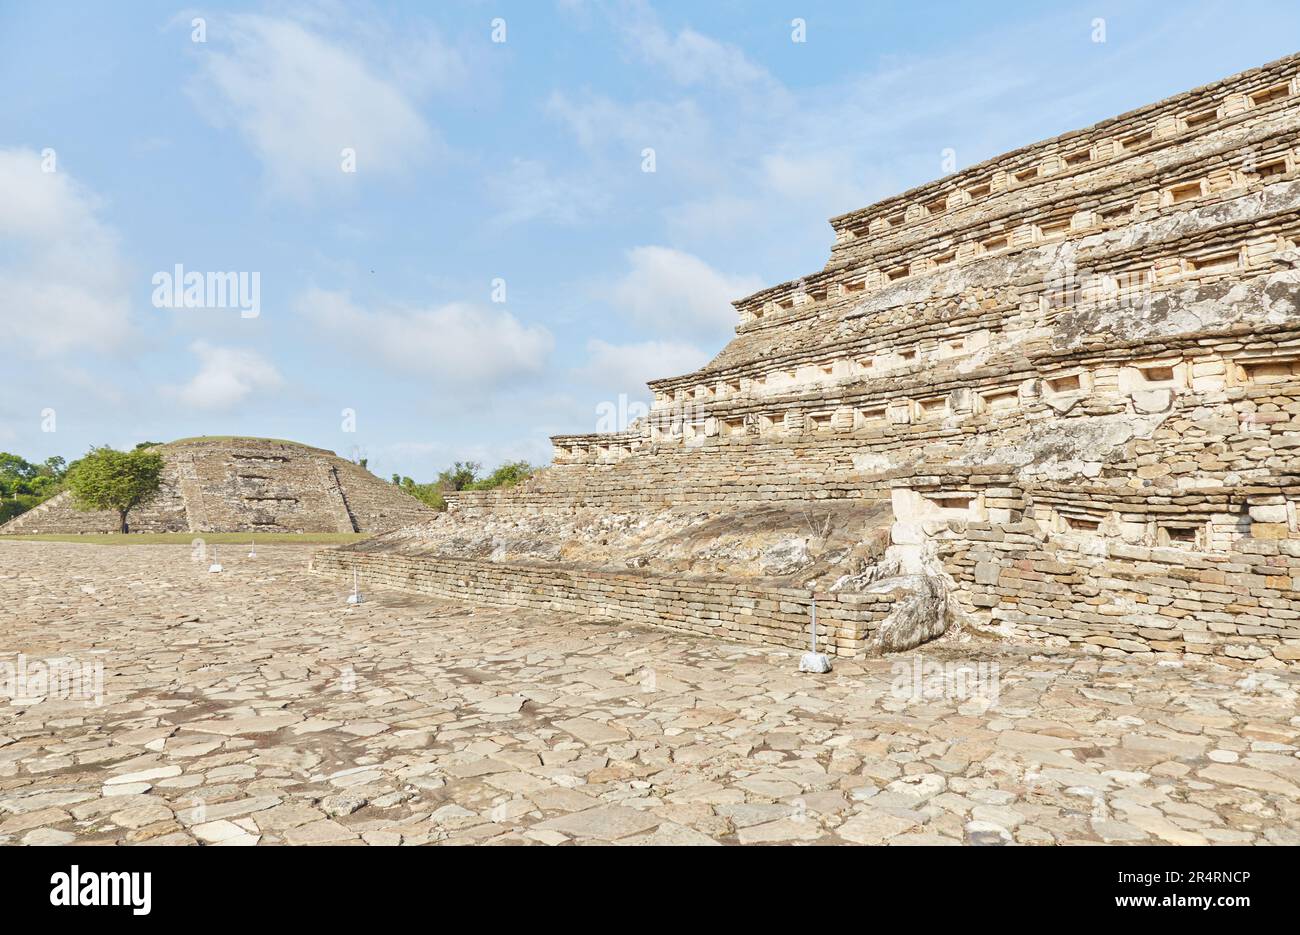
column 479, row 161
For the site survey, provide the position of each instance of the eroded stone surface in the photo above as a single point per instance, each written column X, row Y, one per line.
column 256, row 707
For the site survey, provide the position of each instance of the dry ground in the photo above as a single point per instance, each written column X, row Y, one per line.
column 255, row 706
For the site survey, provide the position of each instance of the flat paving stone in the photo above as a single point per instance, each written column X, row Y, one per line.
column 606, row 822
column 256, row 707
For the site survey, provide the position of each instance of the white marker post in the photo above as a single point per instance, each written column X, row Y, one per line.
column 216, row 562
column 355, row 596
column 813, row 661
column 252, row 549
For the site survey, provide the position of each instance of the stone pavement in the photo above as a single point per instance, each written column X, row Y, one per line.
column 254, row 706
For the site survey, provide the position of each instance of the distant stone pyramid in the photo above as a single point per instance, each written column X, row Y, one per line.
column 1055, row 395
column 226, row 484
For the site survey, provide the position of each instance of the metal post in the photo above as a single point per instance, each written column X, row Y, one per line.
column 814, row 622
column 813, row 661
column 355, row 596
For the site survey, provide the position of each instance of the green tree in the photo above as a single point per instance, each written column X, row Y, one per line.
column 14, row 467
column 459, row 476
column 429, row 494
column 106, row 479
column 25, row 484
column 463, row 475
column 507, row 475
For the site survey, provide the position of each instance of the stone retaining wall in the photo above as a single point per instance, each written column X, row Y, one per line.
column 1244, row 604
column 724, row 609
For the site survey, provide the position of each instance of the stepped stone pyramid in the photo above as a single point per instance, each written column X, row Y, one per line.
column 251, row 485
column 1054, row 397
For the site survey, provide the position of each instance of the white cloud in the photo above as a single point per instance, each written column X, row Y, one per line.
column 458, row 343
column 689, row 57
column 716, row 215
column 801, row 187
column 63, row 282
column 425, row 62
column 673, row 292
column 527, row 191
column 626, row 368
column 824, row 178
column 226, row 376
column 598, row 122
column 741, row 149
column 299, row 98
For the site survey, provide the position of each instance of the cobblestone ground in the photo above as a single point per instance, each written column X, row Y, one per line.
column 255, row 706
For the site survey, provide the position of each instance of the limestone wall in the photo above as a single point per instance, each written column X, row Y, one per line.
column 743, row 612
column 1239, row 603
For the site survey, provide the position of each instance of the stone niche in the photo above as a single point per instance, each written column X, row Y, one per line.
column 1077, row 522
column 919, row 506
column 834, row 369
column 870, row 416
column 999, row 401
column 962, row 344
column 1194, row 533
column 694, row 433
column 952, row 347
column 1165, row 373
column 1264, row 369
column 1210, row 264
column 1184, row 534
column 1153, row 384
column 899, row 411
column 932, row 407
column 1062, row 391
column 1184, row 191
column 818, row 422
column 1065, row 384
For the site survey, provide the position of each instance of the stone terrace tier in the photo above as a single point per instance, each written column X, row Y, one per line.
column 1055, row 396
column 1226, row 135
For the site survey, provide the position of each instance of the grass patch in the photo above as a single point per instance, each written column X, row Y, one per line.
column 211, row 538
